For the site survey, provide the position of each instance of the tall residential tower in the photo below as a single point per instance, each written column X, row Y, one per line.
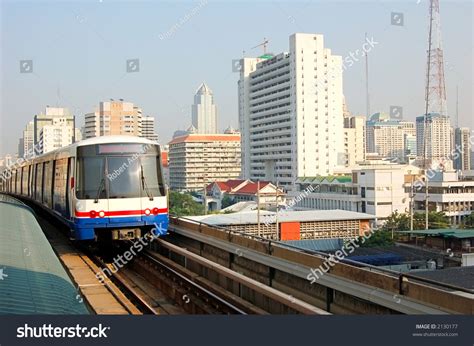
column 290, row 112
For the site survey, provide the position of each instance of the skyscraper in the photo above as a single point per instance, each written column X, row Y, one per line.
column 290, row 112
column 462, row 149
column 204, row 111
column 27, row 141
column 354, row 139
column 438, row 138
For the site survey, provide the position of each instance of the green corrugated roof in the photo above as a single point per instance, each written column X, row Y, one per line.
column 447, row 233
column 330, row 178
column 32, row 280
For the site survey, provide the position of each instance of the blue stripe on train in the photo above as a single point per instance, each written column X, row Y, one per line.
column 85, row 228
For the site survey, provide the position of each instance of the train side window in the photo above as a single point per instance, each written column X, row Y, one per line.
column 14, row 182
column 33, row 181
column 39, row 182
column 47, row 183
column 24, row 176
column 60, row 185
column 69, row 189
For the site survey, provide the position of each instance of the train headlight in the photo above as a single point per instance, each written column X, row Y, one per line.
column 147, row 211
column 101, row 213
column 93, row 213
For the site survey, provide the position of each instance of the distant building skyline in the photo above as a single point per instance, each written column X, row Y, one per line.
column 387, row 136
column 90, row 71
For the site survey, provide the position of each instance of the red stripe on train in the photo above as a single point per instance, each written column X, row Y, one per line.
column 120, row 213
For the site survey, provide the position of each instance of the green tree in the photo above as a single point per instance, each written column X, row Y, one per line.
column 468, row 221
column 227, row 201
column 436, row 220
column 397, row 222
column 378, row 238
column 182, row 204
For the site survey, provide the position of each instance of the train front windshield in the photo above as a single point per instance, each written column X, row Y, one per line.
column 118, row 171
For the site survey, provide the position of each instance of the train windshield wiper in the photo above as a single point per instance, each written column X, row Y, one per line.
column 99, row 190
column 144, row 185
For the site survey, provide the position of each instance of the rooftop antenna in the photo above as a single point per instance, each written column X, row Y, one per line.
column 58, row 93
column 264, row 45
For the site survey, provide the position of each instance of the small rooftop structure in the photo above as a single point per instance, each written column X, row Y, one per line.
column 251, row 217
column 456, row 240
column 293, row 225
column 444, row 233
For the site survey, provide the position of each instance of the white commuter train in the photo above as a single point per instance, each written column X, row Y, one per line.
column 110, row 186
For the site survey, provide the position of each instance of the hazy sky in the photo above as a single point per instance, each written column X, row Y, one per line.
column 79, row 52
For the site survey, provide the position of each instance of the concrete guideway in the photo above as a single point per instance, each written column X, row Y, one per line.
column 431, row 300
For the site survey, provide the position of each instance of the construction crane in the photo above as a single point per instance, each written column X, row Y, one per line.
column 264, row 44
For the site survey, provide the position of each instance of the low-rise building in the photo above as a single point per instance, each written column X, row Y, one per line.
column 384, row 189
column 449, row 193
column 264, row 193
column 377, row 190
column 294, row 225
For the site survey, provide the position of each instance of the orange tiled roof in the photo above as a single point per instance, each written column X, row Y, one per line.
column 251, row 188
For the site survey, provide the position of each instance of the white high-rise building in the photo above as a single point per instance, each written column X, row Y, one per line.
column 204, row 111
column 386, row 136
column 148, row 128
column 438, row 138
column 25, row 149
column 462, row 149
column 56, row 135
column 290, row 112
column 354, row 140
column 48, row 118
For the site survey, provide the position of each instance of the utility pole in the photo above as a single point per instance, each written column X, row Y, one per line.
column 412, row 202
column 204, row 199
column 258, row 208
